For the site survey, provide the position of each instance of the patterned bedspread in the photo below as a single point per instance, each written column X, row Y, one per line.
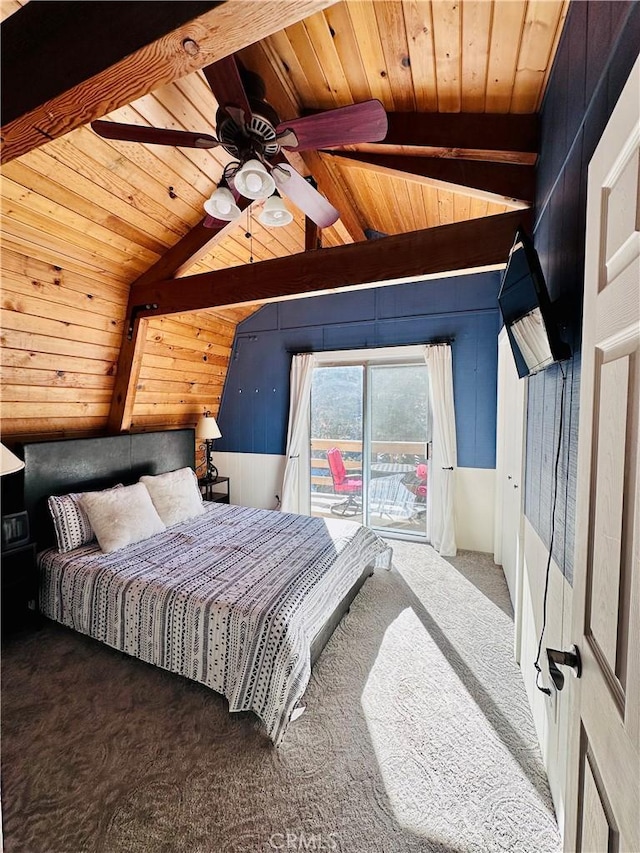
column 232, row 599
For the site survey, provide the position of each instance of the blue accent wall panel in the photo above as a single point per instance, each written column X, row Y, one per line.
column 254, row 410
column 597, row 50
column 353, row 306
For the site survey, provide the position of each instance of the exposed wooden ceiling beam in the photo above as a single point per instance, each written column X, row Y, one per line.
column 72, row 43
column 502, row 182
column 488, row 131
column 179, row 257
column 463, row 245
column 90, row 94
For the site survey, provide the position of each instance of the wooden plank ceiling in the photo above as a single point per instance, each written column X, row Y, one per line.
column 84, row 217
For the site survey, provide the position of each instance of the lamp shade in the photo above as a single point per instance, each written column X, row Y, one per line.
column 275, row 212
column 9, row 462
column 253, row 180
column 208, row 428
column 222, row 205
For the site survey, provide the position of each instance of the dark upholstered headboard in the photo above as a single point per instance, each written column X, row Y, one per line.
column 85, row 464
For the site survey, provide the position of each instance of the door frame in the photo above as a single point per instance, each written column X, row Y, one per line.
column 621, row 137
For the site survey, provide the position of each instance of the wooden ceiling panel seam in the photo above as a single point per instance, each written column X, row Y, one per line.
column 81, row 205
column 359, row 194
column 363, row 20
column 179, row 180
column 25, row 243
column 38, row 271
column 32, row 233
column 14, row 298
column 103, row 245
column 18, row 321
column 419, row 25
column 64, row 177
column 508, row 18
column 206, row 340
column 301, row 43
column 395, row 48
column 322, row 41
column 447, row 41
column 35, row 342
column 142, row 182
column 202, row 168
column 37, row 362
column 346, row 45
column 289, row 72
column 88, row 161
column 477, row 23
column 56, row 378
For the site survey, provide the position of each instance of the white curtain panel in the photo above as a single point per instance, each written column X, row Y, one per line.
column 296, row 485
column 444, row 460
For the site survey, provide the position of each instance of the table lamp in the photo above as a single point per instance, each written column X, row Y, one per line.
column 208, row 430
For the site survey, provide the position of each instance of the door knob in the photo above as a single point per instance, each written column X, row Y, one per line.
column 558, row 658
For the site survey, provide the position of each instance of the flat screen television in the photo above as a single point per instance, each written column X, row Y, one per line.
column 527, row 312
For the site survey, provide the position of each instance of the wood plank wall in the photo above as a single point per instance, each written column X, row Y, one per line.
column 61, row 331
column 184, row 368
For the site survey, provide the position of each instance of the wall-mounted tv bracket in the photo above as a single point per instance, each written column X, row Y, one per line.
column 557, row 658
column 135, row 310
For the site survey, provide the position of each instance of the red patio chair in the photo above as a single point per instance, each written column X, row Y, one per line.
column 344, row 485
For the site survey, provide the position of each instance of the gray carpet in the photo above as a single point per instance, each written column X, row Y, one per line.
column 417, row 737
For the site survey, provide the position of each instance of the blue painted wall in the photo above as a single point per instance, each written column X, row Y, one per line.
column 255, row 403
column 597, row 50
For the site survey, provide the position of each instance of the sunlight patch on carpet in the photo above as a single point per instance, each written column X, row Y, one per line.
column 434, row 745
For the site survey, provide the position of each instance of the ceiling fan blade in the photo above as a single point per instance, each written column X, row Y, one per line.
column 226, row 84
column 304, row 196
column 365, row 122
column 153, row 135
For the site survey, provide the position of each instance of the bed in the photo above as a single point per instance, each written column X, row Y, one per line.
column 237, row 598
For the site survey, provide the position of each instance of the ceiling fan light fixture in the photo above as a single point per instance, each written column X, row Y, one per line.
column 253, row 180
column 222, row 205
column 275, row 213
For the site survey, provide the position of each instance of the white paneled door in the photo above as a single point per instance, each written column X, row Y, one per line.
column 603, row 792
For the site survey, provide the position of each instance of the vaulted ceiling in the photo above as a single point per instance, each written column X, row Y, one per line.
column 85, row 217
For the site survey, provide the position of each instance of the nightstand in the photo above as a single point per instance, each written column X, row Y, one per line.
column 19, row 587
column 211, row 493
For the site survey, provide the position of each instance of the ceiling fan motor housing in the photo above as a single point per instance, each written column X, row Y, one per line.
column 257, row 138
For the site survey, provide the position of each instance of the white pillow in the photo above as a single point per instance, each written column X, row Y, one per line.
column 175, row 495
column 70, row 521
column 122, row 516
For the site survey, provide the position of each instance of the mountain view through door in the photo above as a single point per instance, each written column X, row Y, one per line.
column 370, row 440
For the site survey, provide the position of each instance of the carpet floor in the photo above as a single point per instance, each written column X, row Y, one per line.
column 417, row 737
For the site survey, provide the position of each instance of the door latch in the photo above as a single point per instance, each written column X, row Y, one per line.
column 557, row 658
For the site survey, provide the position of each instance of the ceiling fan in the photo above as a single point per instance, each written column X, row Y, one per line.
column 249, row 129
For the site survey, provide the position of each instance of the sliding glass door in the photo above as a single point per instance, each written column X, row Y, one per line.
column 399, row 427
column 370, row 439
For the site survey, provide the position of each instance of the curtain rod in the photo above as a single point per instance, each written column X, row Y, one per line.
column 432, row 342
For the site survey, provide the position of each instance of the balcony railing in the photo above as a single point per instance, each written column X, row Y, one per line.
column 389, row 452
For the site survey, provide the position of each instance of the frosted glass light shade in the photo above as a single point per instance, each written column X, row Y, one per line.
column 9, row 462
column 208, row 428
column 275, row 212
column 222, row 205
column 253, row 180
